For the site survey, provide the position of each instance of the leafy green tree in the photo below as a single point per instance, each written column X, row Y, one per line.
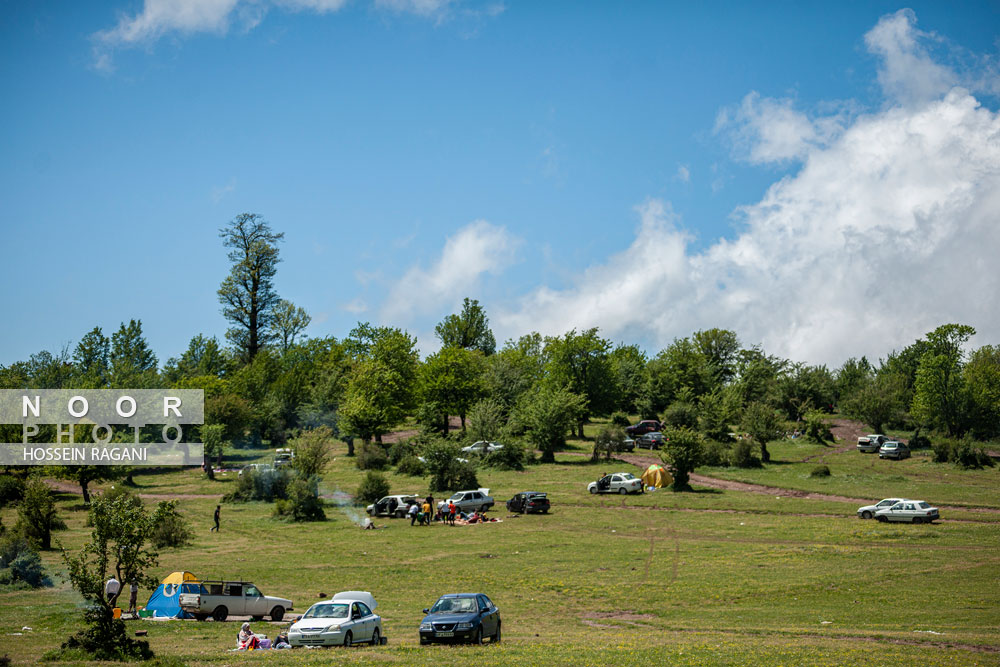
column 802, row 388
column 452, row 379
column 312, row 451
column 762, row 423
column 719, row 348
column 374, row 486
column 682, row 453
column 628, row 367
column 288, row 321
column 679, row 365
column 580, row 363
column 851, row 377
column 247, row 294
column 92, row 359
column 981, row 376
column 939, row 396
column 717, row 412
column 382, row 387
column 37, row 516
column 514, row 370
column 609, row 440
column 132, row 362
column 487, row 420
column 118, row 545
column 202, row 358
column 546, row 414
column 757, row 376
column 879, row 401
column 468, row 330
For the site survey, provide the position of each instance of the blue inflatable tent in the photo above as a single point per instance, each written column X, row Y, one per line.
column 165, row 600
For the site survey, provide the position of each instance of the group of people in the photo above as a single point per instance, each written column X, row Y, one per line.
column 247, row 640
column 421, row 514
column 112, row 587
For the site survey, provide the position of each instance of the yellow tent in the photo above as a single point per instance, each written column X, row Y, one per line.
column 656, row 475
column 178, row 578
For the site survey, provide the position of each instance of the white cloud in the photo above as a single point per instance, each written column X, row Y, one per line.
column 219, row 192
column 907, row 73
column 766, row 130
column 478, row 248
column 683, row 173
column 883, row 235
column 355, row 306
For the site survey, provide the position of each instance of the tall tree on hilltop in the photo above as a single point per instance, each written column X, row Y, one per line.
column 469, row 330
column 247, row 294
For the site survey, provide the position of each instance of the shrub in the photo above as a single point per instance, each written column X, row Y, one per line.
column 312, row 451
column 820, row 471
column 372, row 457
column 620, row 419
column 373, row 487
column 817, row 428
column 967, row 455
column 11, row 489
column 411, row 466
column 487, row 420
column 609, row 439
column 172, row 529
column 716, row 454
column 682, row 454
column 303, row 503
column 400, row 450
column 681, row 414
column 268, row 484
column 107, row 639
column 919, row 441
column 511, row 457
column 942, row 450
column 20, row 565
column 447, row 472
column 36, row 514
column 743, row 454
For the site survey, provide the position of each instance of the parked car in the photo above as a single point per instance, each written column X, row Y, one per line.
column 470, row 501
column 652, row 440
column 619, row 482
column 871, row 443
column 868, row 511
column 908, row 511
column 461, row 617
column 628, row 445
column 221, row 599
column 482, row 447
column 259, row 467
column 346, row 619
column 396, row 506
column 283, row 457
column 645, row 426
column 527, row 502
column 894, row 450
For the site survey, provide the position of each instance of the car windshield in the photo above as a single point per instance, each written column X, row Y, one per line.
column 453, row 605
column 327, row 610
column 924, row 506
column 457, row 496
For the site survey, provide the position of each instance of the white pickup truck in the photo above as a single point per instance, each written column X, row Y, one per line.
column 220, row 599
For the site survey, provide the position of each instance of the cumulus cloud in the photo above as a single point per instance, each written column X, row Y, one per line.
column 476, row 249
column 887, row 232
column 907, row 73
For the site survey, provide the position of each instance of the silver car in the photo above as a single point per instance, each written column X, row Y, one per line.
column 469, row 501
column 345, row 620
column 871, row 443
column 894, row 450
column 909, row 511
column 868, row 511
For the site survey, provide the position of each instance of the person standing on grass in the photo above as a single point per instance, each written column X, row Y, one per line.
column 413, row 511
column 133, row 593
column 427, row 513
column 111, row 588
column 451, row 512
column 215, row 528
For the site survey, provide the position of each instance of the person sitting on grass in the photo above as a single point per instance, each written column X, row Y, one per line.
column 247, row 640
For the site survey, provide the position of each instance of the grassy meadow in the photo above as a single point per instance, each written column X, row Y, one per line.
column 714, row 577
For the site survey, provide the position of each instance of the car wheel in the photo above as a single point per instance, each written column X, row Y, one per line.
column 918, row 519
column 545, row 511
column 479, row 634
column 376, row 637
column 593, row 489
column 623, row 490
column 496, row 637
column 348, row 639
column 200, row 617
column 220, row 614
column 277, row 613
column 882, row 519
column 866, row 515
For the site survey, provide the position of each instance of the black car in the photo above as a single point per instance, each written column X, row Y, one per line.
column 461, row 617
column 527, row 502
column 653, row 440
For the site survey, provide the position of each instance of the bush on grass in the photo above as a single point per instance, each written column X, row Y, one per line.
column 743, row 454
column 303, row 503
column 11, row 489
column 411, row 466
column 267, row 484
column 372, row 457
column 820, row 471
column 373, row 487
column 172, row 529
column 511, row 457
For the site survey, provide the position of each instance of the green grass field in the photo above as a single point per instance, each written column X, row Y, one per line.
column 706, row 578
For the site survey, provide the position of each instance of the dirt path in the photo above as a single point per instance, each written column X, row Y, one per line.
column 62, row 486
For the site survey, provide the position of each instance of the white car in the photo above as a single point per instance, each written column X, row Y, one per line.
column 871, row 442
column 478, row 500
column 868, row 511
column 619, row 482
column 396, row 506
column 346, row 619
column 482, row 447
column 221, row 599
column 908, row 511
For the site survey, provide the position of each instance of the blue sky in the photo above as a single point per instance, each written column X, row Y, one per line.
column 650, row 168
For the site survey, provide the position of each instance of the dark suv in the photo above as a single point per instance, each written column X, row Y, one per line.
column 527, row 502
column 653, row 440
column 643, row 427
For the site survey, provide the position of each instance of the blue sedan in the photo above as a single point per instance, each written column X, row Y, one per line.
column 461, row 617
